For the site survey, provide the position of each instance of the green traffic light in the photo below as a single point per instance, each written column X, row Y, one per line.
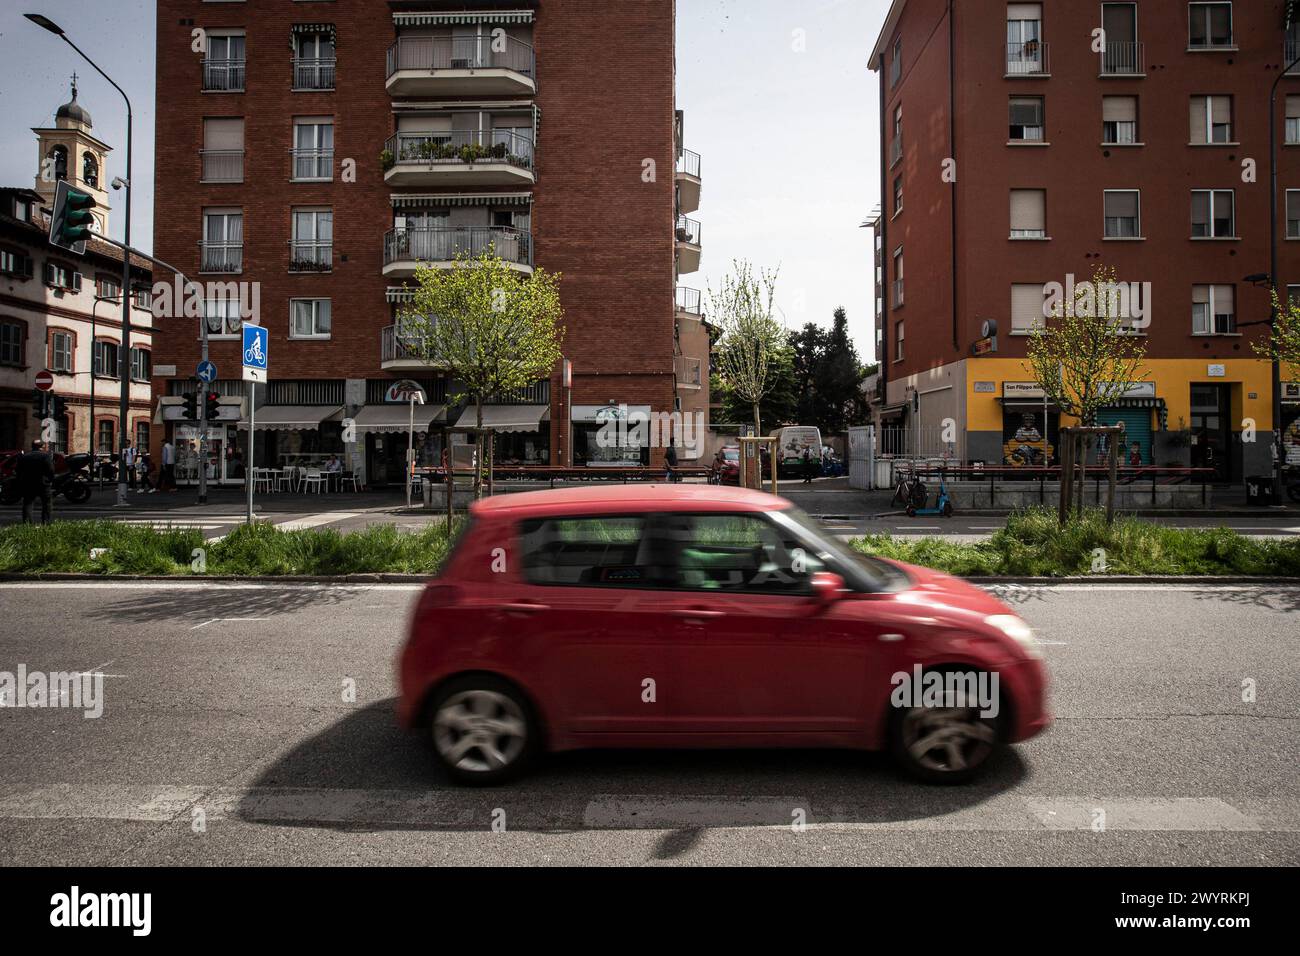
column 77, row 218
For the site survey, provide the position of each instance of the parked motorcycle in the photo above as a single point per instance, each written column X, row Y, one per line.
column 72, row 482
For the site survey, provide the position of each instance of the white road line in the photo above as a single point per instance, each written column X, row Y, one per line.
column 227, row 619
column 313, row 521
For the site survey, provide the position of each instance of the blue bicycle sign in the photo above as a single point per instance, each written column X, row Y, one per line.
column 255, row 352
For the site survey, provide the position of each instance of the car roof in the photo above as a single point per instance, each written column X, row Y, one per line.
column 610, row 499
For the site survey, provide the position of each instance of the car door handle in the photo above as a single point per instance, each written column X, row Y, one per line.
column 523, row 607
column 695, row 613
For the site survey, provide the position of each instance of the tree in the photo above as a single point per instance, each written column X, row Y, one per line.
column 750, row 337
column 494, row 329
column 840, row 401
column 778, row 407
column 1284, row 341
column 807, row 348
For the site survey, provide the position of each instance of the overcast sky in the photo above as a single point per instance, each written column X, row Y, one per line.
column 778, row 99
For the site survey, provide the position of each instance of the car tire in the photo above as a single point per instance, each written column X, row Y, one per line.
column 962, row 742
column 482, row 730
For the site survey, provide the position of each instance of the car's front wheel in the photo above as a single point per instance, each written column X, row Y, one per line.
column 942, row 744
column 483, row 730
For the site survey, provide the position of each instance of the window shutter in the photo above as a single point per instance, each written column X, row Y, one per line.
column 1028, row 209
column 28, row 264
column 1024, row 11
column 1026, row 306
column 1221, row 109
column 1200, row 132
column 1123, row 204
column 76, row 281
column 223, row 134
column 1223, row 300
column 1119, row 109
column 1293, row 107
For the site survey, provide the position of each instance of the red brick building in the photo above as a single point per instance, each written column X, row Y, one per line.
column 1016, row 152
column 323, row 150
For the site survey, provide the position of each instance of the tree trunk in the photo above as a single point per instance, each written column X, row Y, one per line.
column 478, row 448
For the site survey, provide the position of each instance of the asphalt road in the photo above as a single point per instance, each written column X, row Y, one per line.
column 225, row 739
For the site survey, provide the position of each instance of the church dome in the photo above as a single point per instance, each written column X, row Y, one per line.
column 73, row 110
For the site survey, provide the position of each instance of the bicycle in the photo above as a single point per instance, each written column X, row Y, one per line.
column 911, row 491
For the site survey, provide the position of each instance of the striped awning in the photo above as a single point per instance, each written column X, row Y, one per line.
column 398, row 293
column 1158, row 404
column 292, row 418
column 446, row 19
column 405, row 200
column 326, row 28
column 506, row 418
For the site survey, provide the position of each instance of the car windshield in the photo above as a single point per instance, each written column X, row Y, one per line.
column 731, row 455
column 861, row 572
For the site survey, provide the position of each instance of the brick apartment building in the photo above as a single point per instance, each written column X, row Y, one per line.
column 325, row 149
column 1064, row 157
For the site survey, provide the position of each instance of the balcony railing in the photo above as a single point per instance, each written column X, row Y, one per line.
column 1290, row 51
column 688, row 370
column 313, row 164
column 221, row 256
column 310, row 256
column 442, row 244
column 222, row 165
column 688, row 300
column 1027, row 59
column 224, row 75
column 688, row 230
column 430, row 54
column 313, row 72
column 1122, row 58
column 325, row 391
column 462, row 147
column 689, row 163
column 394, row 346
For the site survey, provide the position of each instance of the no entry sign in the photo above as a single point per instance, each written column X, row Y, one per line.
column 44, row 380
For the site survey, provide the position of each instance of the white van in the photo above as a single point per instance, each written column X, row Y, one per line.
column 790, row 443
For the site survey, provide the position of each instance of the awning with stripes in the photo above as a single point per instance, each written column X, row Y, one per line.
column 401, row 200
column 396, row 417
column 506, row 418
column 326, row 28
column 292, row 418
column 446, row 19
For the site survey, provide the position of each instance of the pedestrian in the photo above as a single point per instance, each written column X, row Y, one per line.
column 670, row 462
column 147, row 482
column 35, row 474
column 809, row 465
column 167, row 477
column 129, row 462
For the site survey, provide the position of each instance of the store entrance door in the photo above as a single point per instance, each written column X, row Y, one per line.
column 1212, row 430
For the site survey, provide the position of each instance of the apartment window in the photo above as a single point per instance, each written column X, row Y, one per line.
column 1028, row 214
column 313, row 62
column 1123, row 220
column 12, row 336
column 223, row 67
column 310, row 318
column 22, row 210
column 144, row 299
column 313, row 148
column 896, row 63
column 1212, row 214
column 107, row 288
column 898, row 341
column 898, row 277
column 15, row 264
column 1026, row 307
column 1293, row 213
column 1123, row 54
column 1026, row 119
column 142, row 435
column 896, row 143
column 141, row 365
column 223, row 150
column 104, row 436
column 1293, row 295
column 60, row 276
column 1209, row 25
column 1213, row 310
column 898, row 195
column 60, row 351
column 223, row 241
column 222, row 316
column 105, row 358
column 1292, row 120
column 1211, row 119
column 312, row 245
column 1025, row 53
column 1119, row 120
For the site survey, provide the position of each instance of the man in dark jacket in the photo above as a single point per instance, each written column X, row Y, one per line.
column 35, row 474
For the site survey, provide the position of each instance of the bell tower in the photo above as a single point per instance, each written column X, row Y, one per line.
column 68, row 150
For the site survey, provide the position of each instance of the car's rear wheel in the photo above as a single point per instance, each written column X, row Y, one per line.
column 942, row 744
column 483, row 730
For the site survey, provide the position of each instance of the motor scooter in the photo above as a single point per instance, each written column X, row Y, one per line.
column 942, row 504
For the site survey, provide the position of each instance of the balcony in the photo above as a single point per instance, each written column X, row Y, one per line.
column 222, row 257
column 397, row 351
column 688, row 181
column 313, row 72
column 312, row 165
column 311, row 256
column 1027, row 59
column 222, row 165
column 688, row 245
column 460, row 66
column 688, row 301
column 1122, row 59
column 1290, row 53
column 499, row 157
column 437, row 247
column 223, row 76
column 689, row 372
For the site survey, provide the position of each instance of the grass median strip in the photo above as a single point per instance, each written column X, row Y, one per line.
column 1032, row 544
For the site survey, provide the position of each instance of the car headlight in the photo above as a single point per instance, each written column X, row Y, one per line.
column 1016, row 629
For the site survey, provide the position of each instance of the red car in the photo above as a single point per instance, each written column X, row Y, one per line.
column 699, row 616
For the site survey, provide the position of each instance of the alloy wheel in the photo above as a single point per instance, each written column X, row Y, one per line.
column 480, row 731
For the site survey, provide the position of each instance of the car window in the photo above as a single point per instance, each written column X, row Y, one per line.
column 737, row 552
column 596, row 551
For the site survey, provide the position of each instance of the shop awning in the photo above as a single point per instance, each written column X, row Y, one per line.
column 396, row 418
column 506, row 418
column 1162, row 412
column 293, row 418
column 445, row 19
column 893, row 411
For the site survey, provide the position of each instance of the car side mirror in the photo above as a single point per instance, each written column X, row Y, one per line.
column 827, row 587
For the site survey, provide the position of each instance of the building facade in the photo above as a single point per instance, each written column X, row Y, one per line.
column 324, row 151
column 1019, row 150
column 62, row 312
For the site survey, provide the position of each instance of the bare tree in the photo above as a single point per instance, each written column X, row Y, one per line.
column 750, row 336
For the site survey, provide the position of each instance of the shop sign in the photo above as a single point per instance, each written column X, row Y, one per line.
column 985, row 387
column 1021, row 390
column 403, row 390
column 1216, row 371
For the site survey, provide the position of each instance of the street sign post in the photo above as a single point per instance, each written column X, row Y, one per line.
column 254, row 340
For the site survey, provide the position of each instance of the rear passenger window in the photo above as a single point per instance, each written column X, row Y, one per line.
column 608, row 551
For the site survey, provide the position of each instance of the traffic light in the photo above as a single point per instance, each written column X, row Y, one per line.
column 71, row 222
column 210, row 405
column 40, row 403
column 59, row 407
column 191, row 406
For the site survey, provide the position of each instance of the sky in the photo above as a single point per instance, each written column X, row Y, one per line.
column 778, row 98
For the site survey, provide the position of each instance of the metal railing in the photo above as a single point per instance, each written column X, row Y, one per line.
column 305, row 391
column 1028, row 58
column 313, row 163
column 431, row 54
column 310, row 256
column 462, row 146
column 396, row 347
column 688, row 230
column 221, row 256
column 689, row 163
column 313, row 72
column 224, row 75
column 689, row 300
column 1291, row 50
column 1122, row 58
column 688, row 370
column 442, row 244
column 222, row 165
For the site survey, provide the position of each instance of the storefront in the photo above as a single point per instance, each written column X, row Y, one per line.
column 304, row 436
column 521, row 434
column 1291, row 424
column 610, row 436
column 386, row 431
column 1030, row 426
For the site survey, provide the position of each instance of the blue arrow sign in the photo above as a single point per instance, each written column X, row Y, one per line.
column 255, row 352
column 207, row 372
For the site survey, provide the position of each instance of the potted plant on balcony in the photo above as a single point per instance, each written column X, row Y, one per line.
column 386, row 159
column 499, row 150
column 683, row 234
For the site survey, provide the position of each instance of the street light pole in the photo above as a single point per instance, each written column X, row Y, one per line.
column 124, row 353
